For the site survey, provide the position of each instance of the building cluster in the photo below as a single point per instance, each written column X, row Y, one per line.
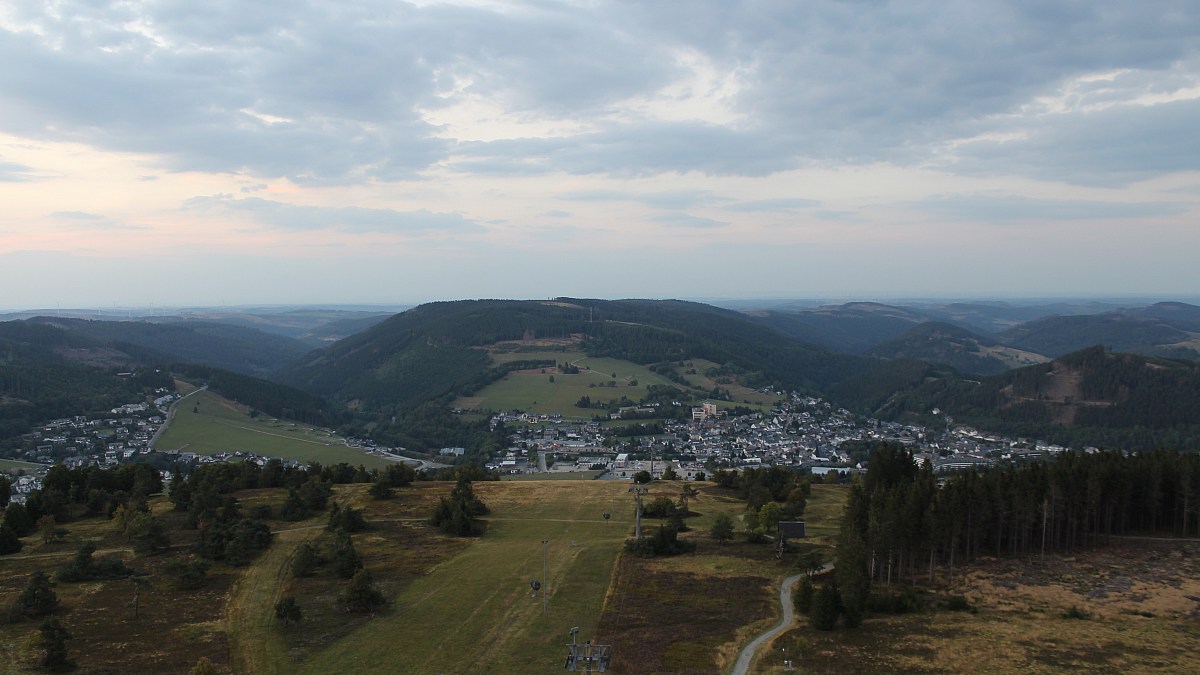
column 804, row 432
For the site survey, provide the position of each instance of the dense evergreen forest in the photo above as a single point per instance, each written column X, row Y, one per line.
column 1091, row 397
column 37, row 383
column 276, row 400
column 899, row 524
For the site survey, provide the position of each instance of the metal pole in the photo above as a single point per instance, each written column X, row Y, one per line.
column 638, row 535
column 545, row 567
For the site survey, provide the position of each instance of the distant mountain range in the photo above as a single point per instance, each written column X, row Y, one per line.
column 1039, row 376
column 984, row 338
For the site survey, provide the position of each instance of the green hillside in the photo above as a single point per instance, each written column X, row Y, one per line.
column 1090, row 397
column 430, row 351
column 235, row 348
column 206, row 423
column 940, row 343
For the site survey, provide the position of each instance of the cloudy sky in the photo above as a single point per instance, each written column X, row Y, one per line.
column 176, row 152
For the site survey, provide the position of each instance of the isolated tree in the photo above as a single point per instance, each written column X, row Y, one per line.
column 287, row 610
column 670, row 474
column 306, row 560
column 381, row 490
column 361, row 594
column 53, row 642
column 722, row 527
column 685, row 497
column 38, row 598
column 47, row 526
column 346, row 561
column 642, row 477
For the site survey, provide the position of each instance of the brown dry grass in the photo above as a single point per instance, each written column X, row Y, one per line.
column 1142, row 599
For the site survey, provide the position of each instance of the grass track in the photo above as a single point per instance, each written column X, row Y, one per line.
column 256, row 644
column 474, row 612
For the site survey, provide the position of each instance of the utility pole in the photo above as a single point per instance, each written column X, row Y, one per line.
column 545, row 567
column 638, row 492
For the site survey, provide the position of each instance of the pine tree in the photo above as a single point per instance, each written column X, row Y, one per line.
column 287, row 610
column 38, row 598
column 9, row 541
column 53, row 642
column 361, row 594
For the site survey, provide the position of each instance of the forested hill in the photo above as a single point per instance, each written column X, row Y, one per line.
column 236, row 348
column 46, row 373
column 1145, row 332
column 852, row 328
column 1090, row 397
column 936, row 342
column 428, row 351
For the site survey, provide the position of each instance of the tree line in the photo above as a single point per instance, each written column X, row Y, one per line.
column 899, row 523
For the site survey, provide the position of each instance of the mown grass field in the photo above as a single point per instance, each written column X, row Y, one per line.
column 13, row 465
column 206, row 423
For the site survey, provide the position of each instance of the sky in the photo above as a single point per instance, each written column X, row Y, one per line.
column 179, row 153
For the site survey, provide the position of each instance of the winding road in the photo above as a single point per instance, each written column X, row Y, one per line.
column 746, row 656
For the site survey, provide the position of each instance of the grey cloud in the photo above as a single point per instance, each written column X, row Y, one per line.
column 349, row 218
column 338, row 88
column 781, row 204
column 1003, row 208
column 688, row 220
column 1113, row 146
column 666, row 199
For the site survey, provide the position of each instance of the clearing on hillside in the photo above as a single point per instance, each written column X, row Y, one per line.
column 206, row 423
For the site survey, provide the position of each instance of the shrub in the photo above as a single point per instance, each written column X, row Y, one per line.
column 958, row 603
column 1076, row 613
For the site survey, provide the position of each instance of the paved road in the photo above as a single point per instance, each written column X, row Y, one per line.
column 746, row 657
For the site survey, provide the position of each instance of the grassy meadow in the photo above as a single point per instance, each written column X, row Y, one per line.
column 461, row 605
column 205, row 423
column 14, row 465
column 533, row 391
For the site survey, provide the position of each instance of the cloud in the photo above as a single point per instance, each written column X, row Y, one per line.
column 665, row 199
column 336, row 93
column 77, row 216
column 1009, row 208
column 11, row 172
column 688, row 220
column 347, row 218
column 781, row 204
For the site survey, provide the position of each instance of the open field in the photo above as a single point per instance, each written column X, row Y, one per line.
column 474, row 612
column 172, row 630
column 741, row 395
column 455, row 605
column 692, row 613
column 13, row 465
column 532, row 391
column 206, row 423
column 1141, row 600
